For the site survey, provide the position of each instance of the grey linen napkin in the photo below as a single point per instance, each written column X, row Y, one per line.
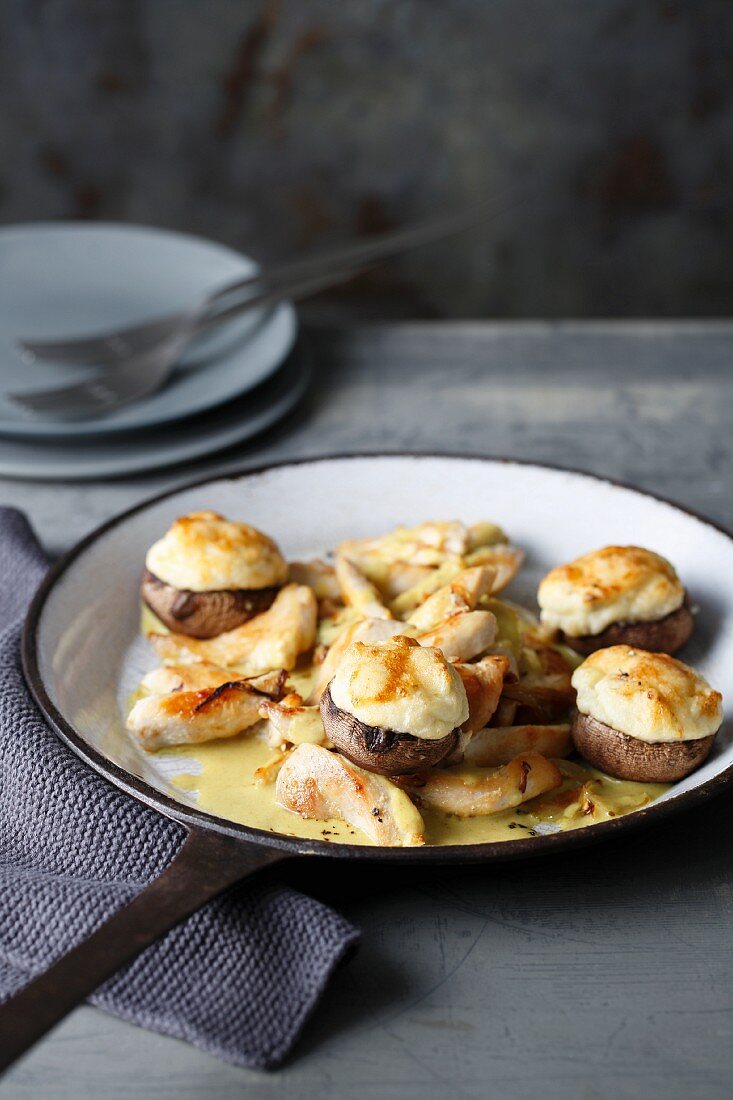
column 238, row 979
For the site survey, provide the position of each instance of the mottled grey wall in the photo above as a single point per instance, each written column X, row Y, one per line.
column 283, row 125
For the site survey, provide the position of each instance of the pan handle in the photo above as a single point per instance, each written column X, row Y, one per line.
column 206, row 864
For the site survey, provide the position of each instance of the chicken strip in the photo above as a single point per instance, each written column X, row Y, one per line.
column 462, row 636
column 318, row 575
column 169, row 678
column 271, row 640
column 365, row 630
column 320, row 784
column 462, row 594
column 359, row 593
column 191, row 717
column 268, row 772
column 472, row 792
column 484, row 682
column 290, row 722
column 499, row 744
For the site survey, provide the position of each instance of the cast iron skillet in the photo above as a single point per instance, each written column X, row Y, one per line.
column 216, row 853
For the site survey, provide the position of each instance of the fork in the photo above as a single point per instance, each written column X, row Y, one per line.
column 110, row 348
column 149, row 368
column 140, row 359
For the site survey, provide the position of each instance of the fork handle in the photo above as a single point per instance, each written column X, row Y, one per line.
column 206, row 864
column 353, row 258
column 291, row 291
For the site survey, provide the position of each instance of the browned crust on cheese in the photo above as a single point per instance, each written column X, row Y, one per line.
column 203, row 614
column 665, row 635
column 380, row 750
column 626, row 757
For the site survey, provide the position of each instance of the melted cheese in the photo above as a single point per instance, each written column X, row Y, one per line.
column 401, row 686
column 649, row 696
column 613, row 585
column 204, row 552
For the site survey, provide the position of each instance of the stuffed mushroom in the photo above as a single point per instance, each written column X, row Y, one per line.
column 643, row 716
column 618, row 595
column 394, row 707
column 208, row 575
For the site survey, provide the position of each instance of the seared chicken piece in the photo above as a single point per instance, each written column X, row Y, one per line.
column 462, row 594
column 365, row 630
column 462, row 636
column 484, row 682
column 316, row 783
column 190, row 717
column 267, row 773
column 290, row 722
column 471, row 792
column 318, row 575
column 274, row 639
column 169, row 678
column 499, row 744
column 358, row 592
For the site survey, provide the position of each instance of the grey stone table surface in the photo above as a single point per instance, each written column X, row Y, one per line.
column 606, row 974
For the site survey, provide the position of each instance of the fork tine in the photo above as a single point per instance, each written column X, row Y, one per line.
column 61, row 402
column 106, row 392
column 110, row 347
column 143, row 373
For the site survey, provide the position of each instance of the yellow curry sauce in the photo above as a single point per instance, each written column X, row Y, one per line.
column 221, row 775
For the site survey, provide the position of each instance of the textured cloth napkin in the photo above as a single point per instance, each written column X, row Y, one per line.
column 239, row 978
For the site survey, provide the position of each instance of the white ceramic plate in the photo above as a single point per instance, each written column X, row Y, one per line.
column 84, row 654
column 62, row 279
column 184, row 441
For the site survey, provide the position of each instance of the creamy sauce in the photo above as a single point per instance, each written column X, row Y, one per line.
column 221, row 775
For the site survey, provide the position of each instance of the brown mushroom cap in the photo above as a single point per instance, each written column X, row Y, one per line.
column 380, row 750
column 626, row 757
column 665, row 635
column 203, row 614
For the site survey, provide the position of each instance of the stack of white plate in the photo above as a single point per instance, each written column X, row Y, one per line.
column 65, row 279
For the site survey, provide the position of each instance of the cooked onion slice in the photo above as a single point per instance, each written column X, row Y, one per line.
column 500, row 744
